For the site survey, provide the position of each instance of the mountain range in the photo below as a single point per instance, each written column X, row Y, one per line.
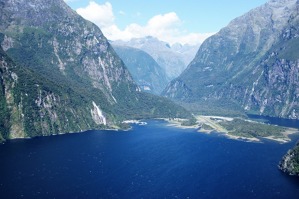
column 59, row 74
column 172, row 58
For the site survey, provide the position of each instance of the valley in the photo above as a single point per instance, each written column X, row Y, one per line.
column 164, row 112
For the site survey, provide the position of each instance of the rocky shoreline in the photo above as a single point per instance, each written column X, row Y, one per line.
column 290, row 162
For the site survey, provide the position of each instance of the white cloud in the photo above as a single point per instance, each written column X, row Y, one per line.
column 101, row 15
column 166, row 27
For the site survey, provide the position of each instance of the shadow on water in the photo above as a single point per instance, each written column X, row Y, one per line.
column 277, row 121
column 291, row 123
column 294, row 180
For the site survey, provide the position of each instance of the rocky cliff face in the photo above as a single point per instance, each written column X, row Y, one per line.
column 75, row 48
column 60, row 74
column 252, row 63
column 33, row 106
column 146, row 72
column 290, row 162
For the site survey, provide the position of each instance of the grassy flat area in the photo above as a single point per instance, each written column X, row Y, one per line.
column 209, row 123
column 244, row 129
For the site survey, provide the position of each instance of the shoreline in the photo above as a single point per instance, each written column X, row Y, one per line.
column 200, row 120
column 176, row 122
column 286, row 134
column 216, row 128
column 139, row 122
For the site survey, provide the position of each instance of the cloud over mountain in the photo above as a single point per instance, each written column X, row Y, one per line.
column 166, row 27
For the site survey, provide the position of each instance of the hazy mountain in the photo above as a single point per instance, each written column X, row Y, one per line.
column 173, row 59
column 59, row 74
column 250, row 65
column 146, row 72
column 187, row 52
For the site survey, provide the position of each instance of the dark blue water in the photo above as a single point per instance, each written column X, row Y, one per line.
column 278, row 121
column 152, row 161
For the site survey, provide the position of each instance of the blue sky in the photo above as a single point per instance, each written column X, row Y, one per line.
column 169, row 20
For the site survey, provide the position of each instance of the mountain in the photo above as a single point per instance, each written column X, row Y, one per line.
column 146, row 72
column 172, row 60
column 59, row 74
column 251, row 65
column 187, row 52
column 33, row 105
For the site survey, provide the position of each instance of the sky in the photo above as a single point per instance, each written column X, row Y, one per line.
column 182, row 21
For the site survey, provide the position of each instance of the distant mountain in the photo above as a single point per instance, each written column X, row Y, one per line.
column 187, row 52
column 251, row 65
column 60, row 74
column 173, row 59
column 146, row 72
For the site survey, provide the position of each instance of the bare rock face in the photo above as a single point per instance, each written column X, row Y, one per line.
column 252, row 63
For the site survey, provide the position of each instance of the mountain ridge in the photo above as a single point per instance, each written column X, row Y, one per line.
column 243, row 65
column 172, row 58
column 146, row 72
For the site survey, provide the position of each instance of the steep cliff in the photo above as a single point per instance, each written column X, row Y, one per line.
column 250, row 65
column 33, row 106
column 60, row 74
column 54, row 41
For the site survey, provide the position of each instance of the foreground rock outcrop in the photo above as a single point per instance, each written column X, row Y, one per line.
column 290, row 162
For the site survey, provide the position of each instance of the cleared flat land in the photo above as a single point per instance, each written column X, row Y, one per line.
column 238, row 128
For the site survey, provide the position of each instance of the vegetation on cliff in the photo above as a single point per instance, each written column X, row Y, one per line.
column 59, row 74
column 290, row 162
